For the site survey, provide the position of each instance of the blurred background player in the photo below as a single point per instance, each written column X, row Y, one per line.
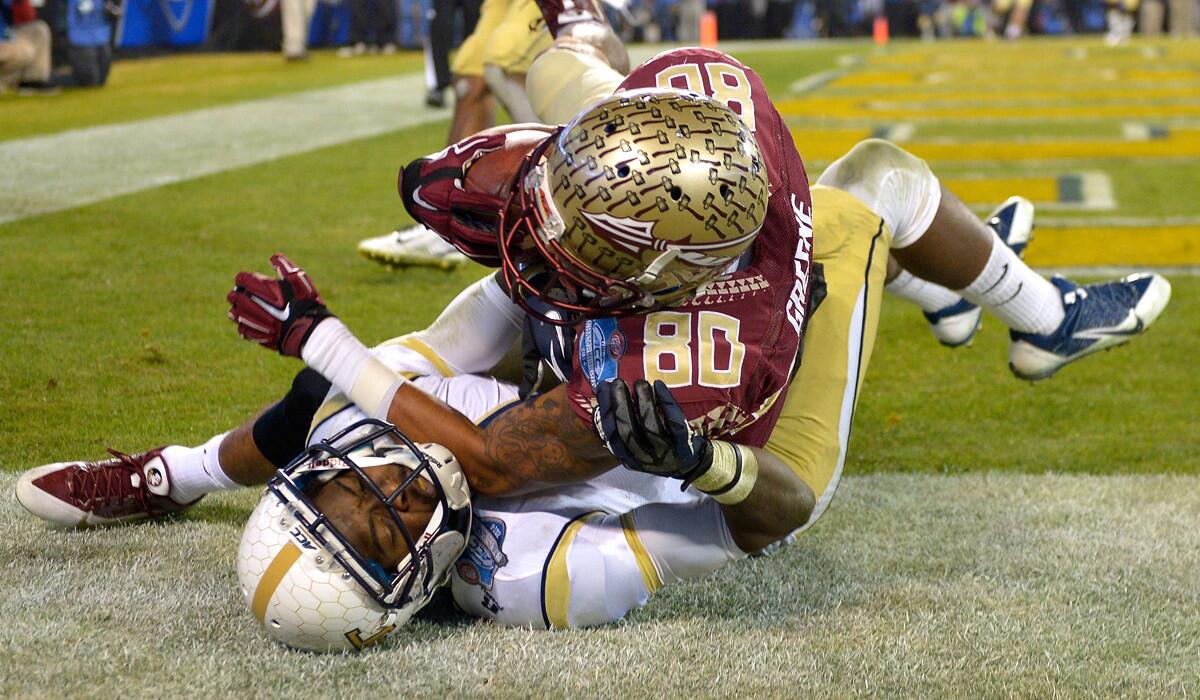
column 491, row 65
column 372, row 28
column 294, row 17
column 1121, row 16
column 1013, row 15
column 443, row 27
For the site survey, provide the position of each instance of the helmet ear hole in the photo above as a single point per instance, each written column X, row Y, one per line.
column 676, row 193
column 623, row 170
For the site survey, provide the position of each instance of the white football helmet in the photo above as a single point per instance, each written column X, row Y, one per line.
column 307, row 585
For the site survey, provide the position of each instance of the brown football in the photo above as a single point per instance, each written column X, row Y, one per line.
column 493, row 172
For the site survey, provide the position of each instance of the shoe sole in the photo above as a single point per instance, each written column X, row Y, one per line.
column 1032, row 363
column 55, row 511
column 397, row 261
column 958, row 340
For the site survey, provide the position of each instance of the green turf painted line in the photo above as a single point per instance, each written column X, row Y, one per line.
column 910, row 586
column 83, row 166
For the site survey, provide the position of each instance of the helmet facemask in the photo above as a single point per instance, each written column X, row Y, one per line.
column 328, row 566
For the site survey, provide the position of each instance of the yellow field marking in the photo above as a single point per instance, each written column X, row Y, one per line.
column 1160, row 75
column 1052, row 94
column 1115, row 246
column 990, row 191
column 895, row 107
column 829, row 144
column 877, row 79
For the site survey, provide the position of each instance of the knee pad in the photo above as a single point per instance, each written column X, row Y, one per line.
column 281, row 431
column 564, row 80
column 893, row 183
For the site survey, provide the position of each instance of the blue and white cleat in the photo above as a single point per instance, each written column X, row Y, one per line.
column 1098, row 316
column 1013, row 223
column 956, row 325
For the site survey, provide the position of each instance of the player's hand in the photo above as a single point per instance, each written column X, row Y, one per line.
column 646, row 430
column 277, row 313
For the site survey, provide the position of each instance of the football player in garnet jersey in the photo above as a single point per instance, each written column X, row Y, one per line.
column 708, row 372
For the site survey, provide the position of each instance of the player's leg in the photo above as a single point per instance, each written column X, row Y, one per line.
column 511, row 49
column 813, row 429
column 937, row 238
column 474, row 110
column 573, row 559
column 171, row 478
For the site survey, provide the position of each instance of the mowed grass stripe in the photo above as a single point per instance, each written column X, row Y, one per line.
column 921, row 586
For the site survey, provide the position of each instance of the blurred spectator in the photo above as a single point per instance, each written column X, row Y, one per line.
column 89, row 43
column 1014, row 15
column 295, row 16
column 372, row 27
column 443, row 35
column 1184, row 15
column 24, row 52
column 1120, row 21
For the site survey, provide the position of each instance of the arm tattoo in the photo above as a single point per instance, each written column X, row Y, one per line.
column 544, row 440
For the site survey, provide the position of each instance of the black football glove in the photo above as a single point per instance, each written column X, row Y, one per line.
column 647, row 431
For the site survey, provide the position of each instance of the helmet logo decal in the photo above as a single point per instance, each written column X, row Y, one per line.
column 630, row 234
column 300, row 538
column 355, row 637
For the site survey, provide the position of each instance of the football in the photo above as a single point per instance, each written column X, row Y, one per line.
column 493, row 172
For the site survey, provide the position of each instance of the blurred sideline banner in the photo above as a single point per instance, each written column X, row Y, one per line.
column 165, row 23
column 224, row 25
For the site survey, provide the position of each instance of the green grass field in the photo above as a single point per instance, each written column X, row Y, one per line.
column 992, row 538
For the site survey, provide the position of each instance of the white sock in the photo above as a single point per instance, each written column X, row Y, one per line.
column 1017, row 295
column 196, row 471
column 927, row 295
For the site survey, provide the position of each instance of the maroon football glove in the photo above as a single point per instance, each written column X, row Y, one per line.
column 280, row 313
column 460, row 191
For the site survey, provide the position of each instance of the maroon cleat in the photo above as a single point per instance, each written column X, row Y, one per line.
column 112, row 491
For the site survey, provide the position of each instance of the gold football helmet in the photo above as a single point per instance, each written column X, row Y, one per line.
column 638, row 201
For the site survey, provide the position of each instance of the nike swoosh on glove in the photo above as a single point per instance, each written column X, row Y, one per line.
column 278, row 313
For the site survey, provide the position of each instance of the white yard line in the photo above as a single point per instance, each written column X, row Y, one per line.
column 83, row 166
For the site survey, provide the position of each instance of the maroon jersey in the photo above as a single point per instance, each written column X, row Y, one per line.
column 728, row 354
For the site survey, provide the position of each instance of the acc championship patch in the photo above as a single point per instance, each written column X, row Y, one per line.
column 484, row 553
column 601, row 346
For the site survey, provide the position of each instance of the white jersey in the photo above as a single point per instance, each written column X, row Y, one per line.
column 567, row 556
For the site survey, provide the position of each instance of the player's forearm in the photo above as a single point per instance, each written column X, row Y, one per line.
column 540, row 441
column 779, row 503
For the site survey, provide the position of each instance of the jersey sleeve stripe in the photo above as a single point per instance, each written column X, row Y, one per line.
column 421, row 348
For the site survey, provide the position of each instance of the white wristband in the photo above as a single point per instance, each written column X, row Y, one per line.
column 341, row 358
